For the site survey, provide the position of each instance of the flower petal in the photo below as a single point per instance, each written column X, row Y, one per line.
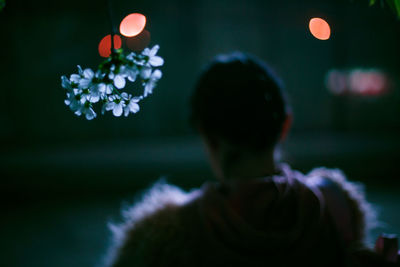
column 126, row 111
column 65, row 83
column 154, row 50
column 156, row 61
column 99, row 74
column 146, row 52
column 119, row 81
column 148, row 88
column 124, row 95
column 103, row 108
column 80, row 71
column 90, row 114
column 94, row 98
column 131, row 74
column 117, row 111
column 130, row 56
column 109, row 88
column 145, row 73
column 109, row 106
column 75, row 106
column 101, row 87
column 75, row 78
column 157, row 74
column 133, row 107
column 84, row 83
column 78, row 112
column 88, row 73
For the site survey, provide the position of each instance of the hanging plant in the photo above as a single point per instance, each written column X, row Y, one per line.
column 104, row 86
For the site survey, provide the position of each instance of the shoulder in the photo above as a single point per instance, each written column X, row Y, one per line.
column 342, row 197
column 149, row 225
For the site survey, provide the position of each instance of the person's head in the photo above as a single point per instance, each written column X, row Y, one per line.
column 240, row 110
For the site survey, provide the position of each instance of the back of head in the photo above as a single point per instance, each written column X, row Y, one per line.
column 238, row 100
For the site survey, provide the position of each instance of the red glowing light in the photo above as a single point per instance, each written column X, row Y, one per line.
column 320, row 29
column 132, row 25
column 105, row 45
column 139, row 42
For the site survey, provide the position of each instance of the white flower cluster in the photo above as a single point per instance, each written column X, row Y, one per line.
column 104, row 86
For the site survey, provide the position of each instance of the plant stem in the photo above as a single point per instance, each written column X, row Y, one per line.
column 113, row 31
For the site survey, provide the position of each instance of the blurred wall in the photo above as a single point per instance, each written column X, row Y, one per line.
column 43, row 40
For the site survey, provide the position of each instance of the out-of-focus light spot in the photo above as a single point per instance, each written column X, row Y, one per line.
column 105, row 45
column 371, row 82
column 320, row 29
column 336, row 81
column 365, row 82
column 139, row 42
column 132, row 25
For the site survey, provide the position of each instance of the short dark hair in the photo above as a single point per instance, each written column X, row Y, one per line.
column 240, row 100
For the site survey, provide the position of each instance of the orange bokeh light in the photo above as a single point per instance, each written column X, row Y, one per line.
column 105, row 45
column 320, row 29
column 132, row 25
column 139, row 42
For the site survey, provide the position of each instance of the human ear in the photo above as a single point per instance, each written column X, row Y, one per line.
column 286, row 126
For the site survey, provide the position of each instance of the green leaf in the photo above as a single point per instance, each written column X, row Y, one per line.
column 372, row 2
column 2, row 4
column 397, row 6
column 392, row 5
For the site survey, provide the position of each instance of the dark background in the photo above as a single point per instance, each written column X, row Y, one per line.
column 63, row 178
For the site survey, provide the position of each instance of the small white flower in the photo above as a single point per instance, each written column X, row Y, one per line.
column 75, row 78
column 89, row 113
column 131, row 104
column 97, row 88
column 86, row 81
column 118, row 79
column 153, row 60
column 130, row 72
column 100, row 87
column 94, row 97
column 116, row 104
column 145, row 73
column 85, row 93
column 73, row 101
column 91, row 87
column 87, row 110
column 135, row 59
column 151, row 83
column 65, row 83
column 131, row 56
column 106, row 88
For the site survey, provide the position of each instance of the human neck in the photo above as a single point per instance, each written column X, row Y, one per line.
column 251, row 167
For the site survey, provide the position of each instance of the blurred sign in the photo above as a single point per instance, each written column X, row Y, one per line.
column 363, row 82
